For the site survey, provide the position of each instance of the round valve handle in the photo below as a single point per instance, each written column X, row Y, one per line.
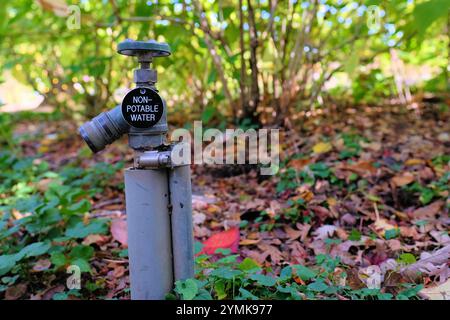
column 136, row 48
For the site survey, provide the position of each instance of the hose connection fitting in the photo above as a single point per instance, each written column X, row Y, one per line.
column 142, row 114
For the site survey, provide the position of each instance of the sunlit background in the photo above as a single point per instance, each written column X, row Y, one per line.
column 230, row 61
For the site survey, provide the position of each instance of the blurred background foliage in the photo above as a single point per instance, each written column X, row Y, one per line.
column 241, row 61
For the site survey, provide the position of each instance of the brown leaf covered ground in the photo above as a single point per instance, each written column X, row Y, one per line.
column 363, row 210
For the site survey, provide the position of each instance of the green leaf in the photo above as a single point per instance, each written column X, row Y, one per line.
column 407, row 258
column 391, row 233
column 228, row 259
column 80, row 230
column 10, row 280
column 80, row 207
column 247, row 294
column 286, row 273
column 212, row 76
column 426, row 13
column 226, row 273
column 263, row 280
column 355, row 235
column 123, row 253
column 83, row 264
column 208, row 113
column 426, row 195
column 188, row 289
column 7, row 262
column 410, row 292
column 249, row 264
column 82, row 252
column 318, row 286
column 223, row 251
column 198, row 246
column 304, row 273
column 33, row 250
column 220, row 289
column 385, row 296
column 203, row 295
column 58, row 259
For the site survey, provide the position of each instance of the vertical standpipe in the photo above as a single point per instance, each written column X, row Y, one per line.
column 158, row 198
column 181, row 219
column 149, row 234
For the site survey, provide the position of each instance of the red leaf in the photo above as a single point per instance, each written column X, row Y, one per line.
column 223, row 240
column 119, row 231
column 15, row 292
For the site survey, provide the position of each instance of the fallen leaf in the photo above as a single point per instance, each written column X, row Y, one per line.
column 394, row 244
column 228, row 239
column 331, row 201
column 403, row 179
column 15, row 292
column 198, row 218
column 321, row 212
column 375, row 146
column 298, row 252
column 444, row 137
column 304, row 194
column 274, row 209
column 292, row 233
column 43, row 184
column 119, row 231
column 430, row 263
column 95, row 238
column 440, row 292
column 353, row 280
column 59, row 7
column 382, row 225
column 348, row 219
column 304, row 228
column 322, row 147
column 362, row 168
column 414, row 162
column 42, row 265
column 50, row 292
column 342, row 234
column 426, row 174
column 410, row 232
column 200, row 202
column 275, row 255
column 429, row 211
column 213, row 209
column 441, row 237
column 298, row 164
column 248, row 242
column 119, row 271
column 325, row 231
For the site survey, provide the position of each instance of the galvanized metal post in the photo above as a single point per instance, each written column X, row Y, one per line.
column 149, row 235
column 157, row 192
column 181, row 219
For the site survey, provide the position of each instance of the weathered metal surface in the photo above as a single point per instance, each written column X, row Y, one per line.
column 181, row 218
column 149, row 235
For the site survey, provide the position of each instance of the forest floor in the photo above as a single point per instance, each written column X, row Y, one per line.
column 358, row 210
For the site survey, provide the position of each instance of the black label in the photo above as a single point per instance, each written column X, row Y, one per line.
column 142, row 108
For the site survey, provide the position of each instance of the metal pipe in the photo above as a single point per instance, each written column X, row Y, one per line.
column 104, row 129
column 153, row 159
column 149, row 240
column 181, row 220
